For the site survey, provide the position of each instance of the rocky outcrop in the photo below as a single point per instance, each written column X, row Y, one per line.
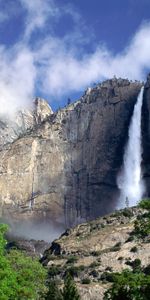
column 92, row 252
column 30, row 247
column 16, row 125
column 62, row 166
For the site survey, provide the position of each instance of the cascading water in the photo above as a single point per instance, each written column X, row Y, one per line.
column 130, row 181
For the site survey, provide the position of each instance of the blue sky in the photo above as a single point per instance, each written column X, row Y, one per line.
column 57, row 48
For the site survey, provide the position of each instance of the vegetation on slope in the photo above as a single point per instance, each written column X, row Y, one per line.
column 110, row 253
column 129, row 286
column 135, row 284
column 142, row 224
column 21, row 277
column 24, row 278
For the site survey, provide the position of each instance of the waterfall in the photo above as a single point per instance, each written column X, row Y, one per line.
column 130, row 181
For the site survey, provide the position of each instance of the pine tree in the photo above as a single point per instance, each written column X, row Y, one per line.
column 53, row 292
column 70, row 291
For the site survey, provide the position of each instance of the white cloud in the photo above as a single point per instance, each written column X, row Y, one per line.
column 17, row 78
column 65, row 72
column 38, row 12
column 62, row 65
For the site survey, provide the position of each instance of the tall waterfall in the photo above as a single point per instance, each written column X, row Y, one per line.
column 130, row 181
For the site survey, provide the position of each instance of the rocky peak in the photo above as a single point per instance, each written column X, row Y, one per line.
column 42, row 109
column 23, row 121
column 111, row 91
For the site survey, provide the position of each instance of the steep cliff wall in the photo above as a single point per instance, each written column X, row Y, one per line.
column 63, row 166
column 146, row 136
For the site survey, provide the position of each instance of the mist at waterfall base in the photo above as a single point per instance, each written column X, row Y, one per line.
column 130, row 180
column 29, row 229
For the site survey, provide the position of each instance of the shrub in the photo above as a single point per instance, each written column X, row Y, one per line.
column 129, row 286
column 53, row 292
column 95, row 253
column 86, row 281
column 120, row 258
column 142, row 224
column 74, row 271
column 72, row 260
column 94, row 273
column 106, row 276
column 94, row 264
column 109, row 269
column 130, row 238
column 142, row 228
column 146, row 270
column 134, row 249
column 145, row 204
column 135, row 264
column 70, row 291
column 116, row 247
column 53, row 271
column 127, row 213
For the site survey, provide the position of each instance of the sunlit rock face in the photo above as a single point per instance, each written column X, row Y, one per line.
column 15, row 125
column 63, row 166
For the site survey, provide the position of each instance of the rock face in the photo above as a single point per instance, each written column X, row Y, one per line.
column 14, row 127
column 146, row 136
column 62, row 166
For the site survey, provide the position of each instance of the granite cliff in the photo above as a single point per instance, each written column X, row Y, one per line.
column 62, row 167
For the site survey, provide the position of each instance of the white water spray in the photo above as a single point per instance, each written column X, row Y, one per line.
column 130, row 181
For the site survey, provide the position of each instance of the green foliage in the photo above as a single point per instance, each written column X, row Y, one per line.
column 142, row 224
column 135, row 264
column 134, row 249
column 116, row 247
column 129, row 286
column 53, row 271
column 127, row 213
column 31, row 275
column 147, row 270
column 53, row 292
column 86, row 280
column 74, row 271
column 107, row 277
column 130, row 238
column 3, row 242
column 142, row 227
column 95, row 253
column 94, row 264
column 145, row 204
column 70, row 291
column 72, row 260
column 21, row 277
